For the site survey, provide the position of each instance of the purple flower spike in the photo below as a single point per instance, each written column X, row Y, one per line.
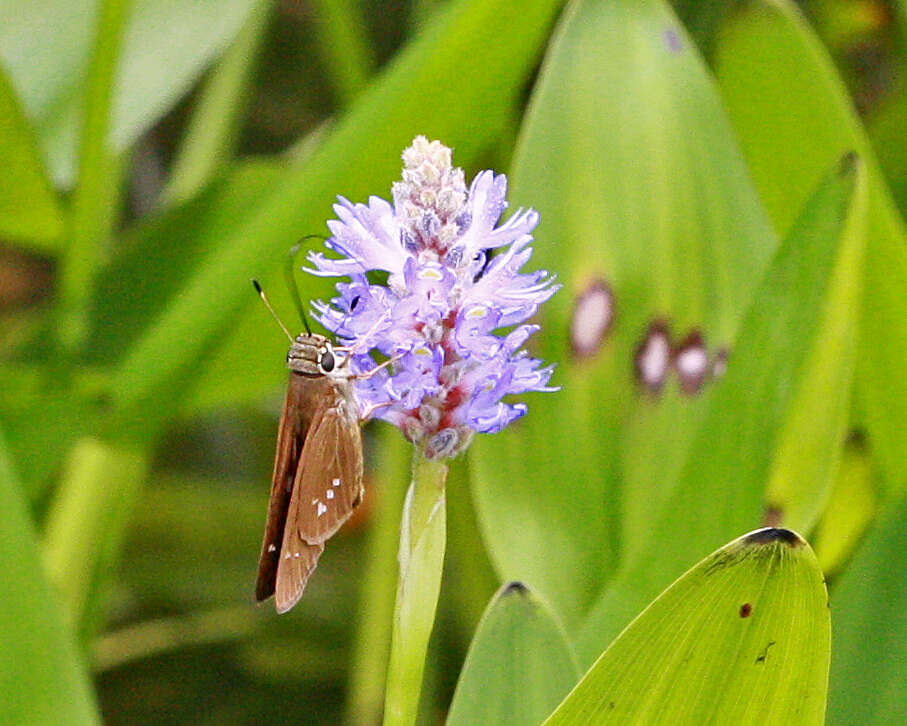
column 443, row 300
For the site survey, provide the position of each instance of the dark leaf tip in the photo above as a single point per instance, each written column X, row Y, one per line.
column 848, row 164
column 515, row 588
column 770, row 535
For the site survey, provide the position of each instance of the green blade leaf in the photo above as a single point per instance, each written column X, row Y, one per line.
column 743, row 637
column 29, row 211
column 41, row 676
column 869, row 607
column 721, row 483
column 519, row 664
column 628, row 157
column 794, row 118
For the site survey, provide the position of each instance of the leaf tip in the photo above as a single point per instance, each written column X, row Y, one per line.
column 515, row 588
column 848, row 164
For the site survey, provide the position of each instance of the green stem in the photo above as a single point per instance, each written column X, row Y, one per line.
column 96, row 196
column 422, row 542
column 211, row 133
column 365, row 689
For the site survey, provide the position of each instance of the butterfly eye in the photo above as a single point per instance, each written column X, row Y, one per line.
column 326, row 361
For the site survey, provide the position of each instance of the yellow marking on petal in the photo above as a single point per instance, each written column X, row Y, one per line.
column 477, row 312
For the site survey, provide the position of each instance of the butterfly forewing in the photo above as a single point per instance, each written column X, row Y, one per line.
column 330, row 485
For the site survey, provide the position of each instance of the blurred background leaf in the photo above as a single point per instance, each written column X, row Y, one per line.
column 42, row 677
column 869, row 609
column 29, row 212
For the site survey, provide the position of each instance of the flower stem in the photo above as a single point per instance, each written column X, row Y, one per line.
column 422, row 542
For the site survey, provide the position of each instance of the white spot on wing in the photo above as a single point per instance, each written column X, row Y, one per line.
column 329, row 493
column 271, row 548
column 322, row 508
column 335, row 483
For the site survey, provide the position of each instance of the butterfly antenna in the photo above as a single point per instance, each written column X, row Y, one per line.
column 290, row 271
column 264, row 299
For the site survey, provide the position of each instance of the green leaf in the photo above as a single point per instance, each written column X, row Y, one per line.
column 41, row 677
column 29, row 211
column 721, row 484
column 794, row 118
column 45, row 46
column 360, row 157
column 519, row 664
column 869, row 608
column 628, row 157
column 742, row 638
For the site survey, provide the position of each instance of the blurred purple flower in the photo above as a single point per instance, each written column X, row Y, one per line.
column 443, row 300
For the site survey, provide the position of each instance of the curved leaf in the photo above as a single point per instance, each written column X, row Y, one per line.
column 744, row 637
column 519, row 664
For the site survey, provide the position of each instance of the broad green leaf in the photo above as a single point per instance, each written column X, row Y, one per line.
column 42, row 680
column 742, row 638
column 519, row 664
column 28, row 208
column 360, row 157
column 628, row 156
column 869, row 609
column 45, row 44
column 852, row 507
column 794, row 118
column 721, row 484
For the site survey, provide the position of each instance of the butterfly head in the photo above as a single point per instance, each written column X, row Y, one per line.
column 313, row 355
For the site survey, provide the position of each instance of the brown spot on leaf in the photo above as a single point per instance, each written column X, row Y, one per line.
column 593, row 317
column 691, row 361
column 719, row 364
column 745, row 610
column 653, row 356
column 764, row 654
